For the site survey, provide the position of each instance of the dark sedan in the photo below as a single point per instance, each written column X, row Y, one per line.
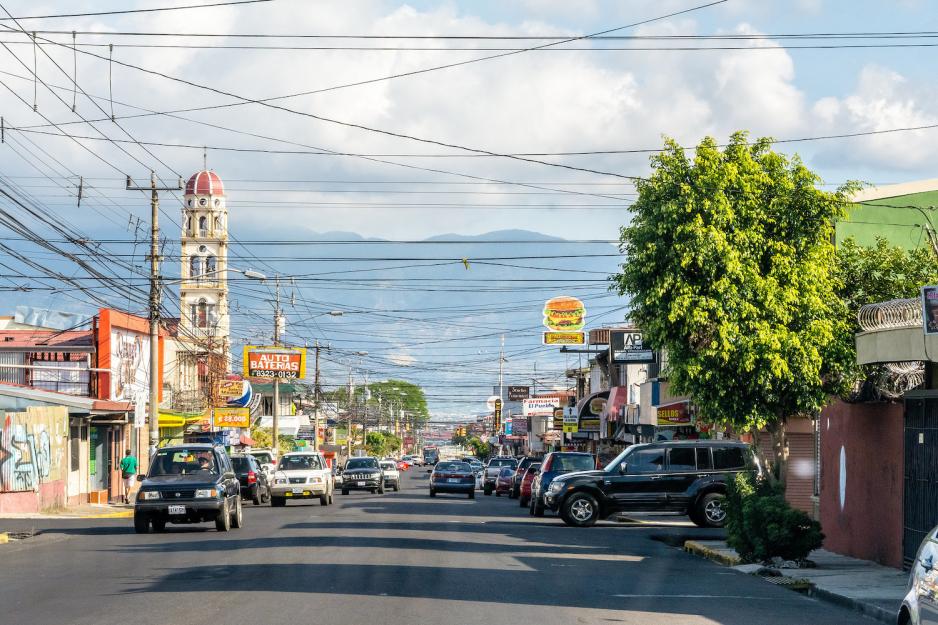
column 188, row 484
column 362, row 474
column 253, row 480
column 453, row 477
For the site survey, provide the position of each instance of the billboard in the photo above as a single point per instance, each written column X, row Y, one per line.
column 130, row 365
column 564, row 318
column 519, row 393
column 231, row 418
column 282, row 363
column 628, row 346
column 539, row 406
column 676, row 414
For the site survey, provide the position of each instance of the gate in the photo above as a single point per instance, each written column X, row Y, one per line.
column 920, row 500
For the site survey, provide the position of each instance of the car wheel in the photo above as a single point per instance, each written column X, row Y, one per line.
column 580, row 510
column 159, row 525
column 523, row 502
column 223, row 520
column 381, row 489
column 710, row 510
column 537, row 508
column 257, row 498
column 432, row 493
column 487, row 490
column 344, row 492
column 397, row 487
column 324, row 500
column 237, row 519
column 278, row 502
column 141, row 523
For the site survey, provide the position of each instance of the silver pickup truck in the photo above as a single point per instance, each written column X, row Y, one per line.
column 492, row 469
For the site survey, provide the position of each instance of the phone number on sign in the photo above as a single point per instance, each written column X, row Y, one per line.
column 288, row 375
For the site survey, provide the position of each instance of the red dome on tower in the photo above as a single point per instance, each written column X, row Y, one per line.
column 205, row 183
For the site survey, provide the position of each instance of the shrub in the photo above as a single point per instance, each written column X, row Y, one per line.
column 761, row 525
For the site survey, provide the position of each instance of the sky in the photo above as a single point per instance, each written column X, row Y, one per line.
column 416, row 151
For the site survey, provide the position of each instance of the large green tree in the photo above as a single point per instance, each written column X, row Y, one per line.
column 730, row 268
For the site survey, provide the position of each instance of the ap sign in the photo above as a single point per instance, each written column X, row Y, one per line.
column 628, row 346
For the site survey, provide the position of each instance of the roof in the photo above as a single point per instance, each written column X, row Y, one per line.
column 895, row 190
column 47, row 340
column 26, row 395
column 205, row 182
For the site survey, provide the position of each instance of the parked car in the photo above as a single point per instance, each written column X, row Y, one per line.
column 362, row 474
column 452, row 477
column 253, row 480
column 523, row 465
column 554, row 464
column 920, row 605
column 302, row 475
column 392, row 477
column 190, row 483
column 503, row 481
column 667, row 476
column 493, row 469
column 524, row 494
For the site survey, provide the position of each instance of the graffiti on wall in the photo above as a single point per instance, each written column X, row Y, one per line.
column 33, row 447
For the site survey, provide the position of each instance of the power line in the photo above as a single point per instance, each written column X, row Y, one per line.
column 127, row 11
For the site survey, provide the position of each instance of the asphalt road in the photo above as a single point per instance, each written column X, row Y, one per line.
column 397, row 559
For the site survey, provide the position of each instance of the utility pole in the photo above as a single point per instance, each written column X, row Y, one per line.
column 154, row 303
column 276, row 415
column 316, row 402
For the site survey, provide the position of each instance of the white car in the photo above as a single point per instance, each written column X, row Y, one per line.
column 267, row 460
column 392, row 477
column 302, row 475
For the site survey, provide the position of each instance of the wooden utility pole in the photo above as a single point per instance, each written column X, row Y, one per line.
column 316, row 402
column 154, row 303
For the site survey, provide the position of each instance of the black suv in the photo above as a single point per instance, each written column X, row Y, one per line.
column 678, row 476
column 251, row 477
column 362, row 474
column 188, row 484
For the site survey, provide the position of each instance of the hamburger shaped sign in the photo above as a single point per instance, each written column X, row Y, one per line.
column 564, row 317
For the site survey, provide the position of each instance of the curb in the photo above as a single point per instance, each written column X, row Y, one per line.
column 694, row 547
column 872, row 611
column 127, row 514
column 4, row 538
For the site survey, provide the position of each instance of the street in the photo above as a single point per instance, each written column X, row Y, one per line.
column 397, row 559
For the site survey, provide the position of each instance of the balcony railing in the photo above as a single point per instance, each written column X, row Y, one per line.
column 894, row 314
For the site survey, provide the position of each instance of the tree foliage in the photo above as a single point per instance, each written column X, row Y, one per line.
column 729, row 265
column 480, row 449
column 380, row 444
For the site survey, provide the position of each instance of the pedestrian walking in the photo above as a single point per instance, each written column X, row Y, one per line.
column 128, row 473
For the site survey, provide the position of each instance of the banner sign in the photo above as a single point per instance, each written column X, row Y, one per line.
column 677, row 414
column 519, row 426
column 284, row 363
column 519, row 393
column 558, row 419
column 571, row 420
column 539, row 406
column 564, row 338
column 231, row 418
column 229, row 389
column 930, row 309
column 627, row 346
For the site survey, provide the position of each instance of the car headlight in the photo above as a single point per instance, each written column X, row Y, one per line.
column 150, row 494
column 555, row 487
column 315, row 480
column 205, row 492
column 280, row 480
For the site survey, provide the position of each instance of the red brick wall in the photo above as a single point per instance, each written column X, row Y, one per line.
column 869, row 524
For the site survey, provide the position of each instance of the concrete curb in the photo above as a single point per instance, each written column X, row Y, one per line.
column 867, row 609
column 694, row 547
column 4, row 538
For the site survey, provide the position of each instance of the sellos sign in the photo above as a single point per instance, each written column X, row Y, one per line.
column 284, row 363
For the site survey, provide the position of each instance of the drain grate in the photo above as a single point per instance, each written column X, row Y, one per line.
column 794, row 583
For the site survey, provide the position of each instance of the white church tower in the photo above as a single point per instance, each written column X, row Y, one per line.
column 203, row 293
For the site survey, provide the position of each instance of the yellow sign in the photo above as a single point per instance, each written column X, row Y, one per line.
column 282, row 363
column 229, row 388
column 231, row 417
column 570, row 428
column 564, row 338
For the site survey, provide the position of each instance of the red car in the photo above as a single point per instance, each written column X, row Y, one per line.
column 526, row 482
column 402, row 465
column 503, row 481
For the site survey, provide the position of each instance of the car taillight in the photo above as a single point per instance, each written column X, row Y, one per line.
column 252, row 478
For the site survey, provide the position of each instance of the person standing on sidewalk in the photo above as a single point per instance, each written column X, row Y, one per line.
column 128, row 473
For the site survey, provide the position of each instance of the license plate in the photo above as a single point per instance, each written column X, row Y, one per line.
column 177, row 509
column 453, row 480
column 297, row 491
column 360, row 483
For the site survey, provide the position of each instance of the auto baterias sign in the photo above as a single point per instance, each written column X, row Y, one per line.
column 282, row 363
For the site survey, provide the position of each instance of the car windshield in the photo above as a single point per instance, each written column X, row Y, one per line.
column 503, row 462
column 387, row 464
column 182, row 461
column 453, row 467
column 361, row 463
column 300, row 463
column 241, row 464
column 264, row 457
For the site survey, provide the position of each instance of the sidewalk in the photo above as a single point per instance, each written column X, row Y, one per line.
column 85, row 511
column 864, row 586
